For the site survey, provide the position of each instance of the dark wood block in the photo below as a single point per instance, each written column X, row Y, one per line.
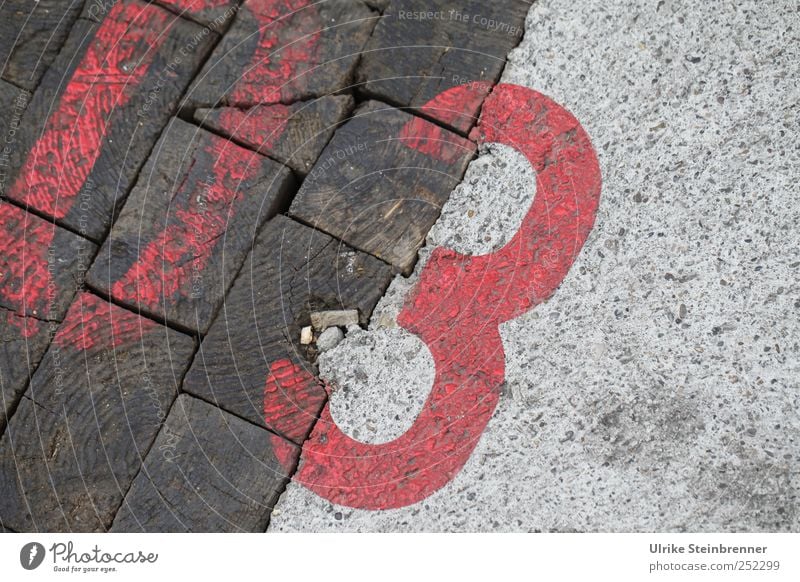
column 100, row 108
column 381, row 182
column 13, row 102
column 208, row 471
column 31, row 34
column 41, row 268
column 244, row 364
column 280, row 51
column 215, row 14
column 188, row 225
column 294, row 135
column 422, row 48
column 88, row 418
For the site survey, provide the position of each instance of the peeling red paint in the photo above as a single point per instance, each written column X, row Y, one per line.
column 202, row 211
column 456, row 308
column 115, row 62
column 292, row 400
column 24, row 278
column 194, row 6
column 430, row 139
column 260, row 127
column 92, row 322
column 279, row 64
column 454, row 106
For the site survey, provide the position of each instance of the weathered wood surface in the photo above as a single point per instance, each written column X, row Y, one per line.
column 41, row 268
column 208, row 471
column 88, row 418
column 294, row 135
column 31, row 34
column 381, row 182
column 188, row 225
column 291, row 272
column 280, row 51
column 99, row 110
column 422, row 48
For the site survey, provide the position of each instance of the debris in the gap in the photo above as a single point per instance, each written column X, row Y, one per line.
column 329, row 339
column 322, row 320
column 306, row 336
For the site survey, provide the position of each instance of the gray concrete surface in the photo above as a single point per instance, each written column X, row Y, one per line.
column 659, row 388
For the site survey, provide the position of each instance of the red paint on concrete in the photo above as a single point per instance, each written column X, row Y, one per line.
column 25, row 285
column 115, row 62
column 92, row 322
column 169, row 262
column 279, row 62
column 292, row 400
column 456, row 308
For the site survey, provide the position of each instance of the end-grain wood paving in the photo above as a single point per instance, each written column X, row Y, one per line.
column 217, row 171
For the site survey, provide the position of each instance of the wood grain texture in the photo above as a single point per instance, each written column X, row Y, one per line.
column 381, row 182
column 99, row 110
column 294, row 135
column 422, row 48
column 280, row 51
column 291, row 272
column 31, row 34
column 41, row 268
column 88, row 418
column 208, row 471
column 214, row 14
column 188, row 225
column 13, row 102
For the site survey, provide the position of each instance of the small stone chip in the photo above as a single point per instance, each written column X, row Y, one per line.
column 306, row 336
column 322, row 320
column 329, row 339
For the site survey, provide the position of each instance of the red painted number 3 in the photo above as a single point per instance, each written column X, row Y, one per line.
column 457, row 306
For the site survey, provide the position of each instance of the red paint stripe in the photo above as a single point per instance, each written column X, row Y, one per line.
column 430, row 139
column 94, row 323
column 259, row 127
column 456, row 308
column 167, row 264
column 196, row 6
column 283, row 54
column 24, row 275
column 292, row 400
column 458, row 106
column 115, row 62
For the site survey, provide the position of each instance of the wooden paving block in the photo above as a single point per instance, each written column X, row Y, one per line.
column 291, row 272
column 41, row 268
column 188, row 225
column 214, row 14
column 381, row 182
column 13, row 102
column 31, row 34
column 91, row 412
column 421, row 49
column 281, row 51
column 100, row 108
column 294, row 135
column 208, row 471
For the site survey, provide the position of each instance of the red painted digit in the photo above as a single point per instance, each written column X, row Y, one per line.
column 456, row 308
